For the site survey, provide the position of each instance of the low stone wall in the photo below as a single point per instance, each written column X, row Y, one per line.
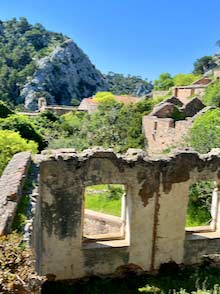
column 11, row 184
column 199, row 245
column 96, row 223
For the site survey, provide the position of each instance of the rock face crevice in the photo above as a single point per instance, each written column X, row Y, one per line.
column 65, row 74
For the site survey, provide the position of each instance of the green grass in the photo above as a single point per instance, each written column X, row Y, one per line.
column 107, row 199
column 102, row 204
column 104, row 198
column 197, row 216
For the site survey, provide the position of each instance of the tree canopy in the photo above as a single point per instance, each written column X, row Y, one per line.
column 212, row 94
column 185, row 79
column 205, row 133
column 201, row 65
column 11, row 143
column 164, row 82
column 120, row 84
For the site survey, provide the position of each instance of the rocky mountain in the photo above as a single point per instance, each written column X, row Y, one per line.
column 120, row 84
column 35, row 62
column 64, row 74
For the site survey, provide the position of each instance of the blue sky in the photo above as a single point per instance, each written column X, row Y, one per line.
column 140, row 37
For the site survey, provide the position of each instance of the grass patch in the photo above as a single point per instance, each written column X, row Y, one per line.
column 20, row 217
column 104, row 198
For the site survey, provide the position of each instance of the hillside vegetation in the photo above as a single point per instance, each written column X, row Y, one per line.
column 21, row 44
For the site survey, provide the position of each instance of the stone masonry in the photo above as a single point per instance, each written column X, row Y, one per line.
column 156, row 204
column 11, row 184
column 162, row 131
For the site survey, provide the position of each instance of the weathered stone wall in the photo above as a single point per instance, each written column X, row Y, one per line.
column 87, row 105
column 96, row 223
column 11, row 184
column 163, row 133
column 156, row 197
column 183, row 93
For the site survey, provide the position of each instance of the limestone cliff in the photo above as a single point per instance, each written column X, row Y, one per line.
column 64, row 74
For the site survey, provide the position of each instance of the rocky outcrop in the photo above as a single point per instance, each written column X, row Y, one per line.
column 65, row 74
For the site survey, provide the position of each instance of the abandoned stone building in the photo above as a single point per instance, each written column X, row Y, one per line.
column 71, row 241
column 169, row 122
column 195, row 89
column 90, row 105
column 152, row 225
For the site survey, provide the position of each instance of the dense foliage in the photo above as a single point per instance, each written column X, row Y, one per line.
column 212, row 94
column 185, row 79
column 120, row 84
column 20, row 45
column 199, row 205
column 11, row 143
column 201, row 65
column 103, row 97
column 166, row 81
column 112, row 125
column 4, row 110
column 25, row 127
column 205, row 133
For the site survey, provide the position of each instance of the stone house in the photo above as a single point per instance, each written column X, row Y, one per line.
column 195, row 89
column 163, row 131
column 89, row 105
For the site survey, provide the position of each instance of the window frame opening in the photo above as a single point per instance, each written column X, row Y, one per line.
column 120, row 238
column 214, row 213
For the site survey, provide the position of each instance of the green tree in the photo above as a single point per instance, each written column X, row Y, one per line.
column 212, row 94
column 184, row 79
column 113, row 125
column 75, row 102
column 205, row 133
column 104, row 97
column 20, row 45
column 201, row 65
column 25, row 127
column 164, row 82
column 11, row 143
column 5, row 110
column 120, row 84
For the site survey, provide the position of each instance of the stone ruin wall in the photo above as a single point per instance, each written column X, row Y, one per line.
column 96, row 223
column 11, row 185
column 183, row 94
column 156, row 204
column 162, row 133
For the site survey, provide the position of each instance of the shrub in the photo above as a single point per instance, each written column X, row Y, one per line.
column 4, row 110
column 205, row 133
column 11, row 143
column 104, row 97
column 164, row 82
column 199, row 206
column 185, row 79
column 212, row 94
column 24, row 126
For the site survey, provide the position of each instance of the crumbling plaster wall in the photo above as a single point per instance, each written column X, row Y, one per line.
column 157, row 196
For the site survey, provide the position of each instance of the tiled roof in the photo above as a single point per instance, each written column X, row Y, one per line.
column 127, row 99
